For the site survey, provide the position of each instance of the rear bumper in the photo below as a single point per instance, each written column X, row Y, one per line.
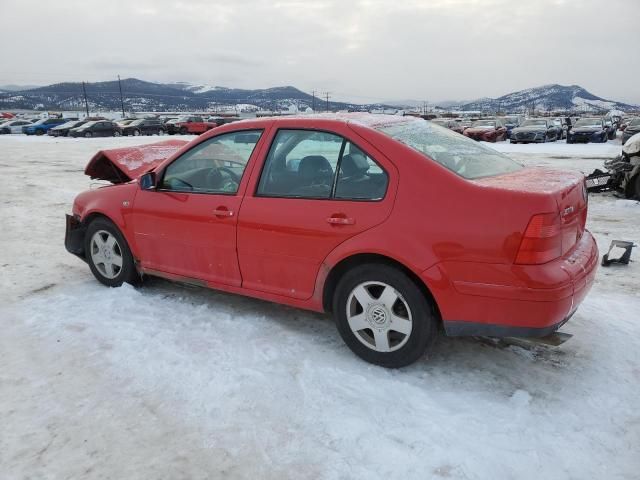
column 513, row 300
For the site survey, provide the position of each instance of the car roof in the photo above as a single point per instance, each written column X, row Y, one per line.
column 370, row 120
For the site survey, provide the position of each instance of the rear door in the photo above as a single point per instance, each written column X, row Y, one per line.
column 316, row 189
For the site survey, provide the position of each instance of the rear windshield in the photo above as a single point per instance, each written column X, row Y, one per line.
column 461, row 155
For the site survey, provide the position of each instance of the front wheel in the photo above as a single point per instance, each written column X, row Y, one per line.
column 183, row 131
column 136, row 132
column 383, row 316
column 88, row 135
column 116, row 133
column 108, row 254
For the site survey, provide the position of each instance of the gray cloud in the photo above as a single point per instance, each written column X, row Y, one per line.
column 373, row 49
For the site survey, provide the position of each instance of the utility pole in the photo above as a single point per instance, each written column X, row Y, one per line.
column 121, row 99
column 86, row 103
column 326, row 95
column 313, row 104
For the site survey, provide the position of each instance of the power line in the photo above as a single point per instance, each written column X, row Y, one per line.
column 121, row 99
column 86, row 103
column 327, row 96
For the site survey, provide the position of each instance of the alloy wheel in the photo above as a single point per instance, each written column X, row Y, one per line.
column 379, row 317
column 106, row 254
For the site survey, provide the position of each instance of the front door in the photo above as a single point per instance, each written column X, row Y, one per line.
column 187, row 226
column 316, row 190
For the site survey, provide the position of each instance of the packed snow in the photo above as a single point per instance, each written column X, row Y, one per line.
column 168, row 381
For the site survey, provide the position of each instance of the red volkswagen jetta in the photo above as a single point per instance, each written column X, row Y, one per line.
column 394, row 225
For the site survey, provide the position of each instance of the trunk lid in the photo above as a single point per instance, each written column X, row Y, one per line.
column 566, row 188
column 120, row 165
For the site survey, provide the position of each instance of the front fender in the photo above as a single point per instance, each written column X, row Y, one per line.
column 114, row 202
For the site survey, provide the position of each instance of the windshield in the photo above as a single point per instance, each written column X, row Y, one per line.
column 511, row 120
column 589, row 122
column 484, row 124
column 635, row 122
column 73, row 123
column 136, row 122
column 461, row 155
column 87, row 125
column 534, row 123
column 39, row 122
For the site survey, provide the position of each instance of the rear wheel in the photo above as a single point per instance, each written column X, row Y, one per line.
column 116, row 133
column 39, row 132
column 383, row 316
column 183, row 131
column 88, row 135
column 108, row 254
column 136, row 132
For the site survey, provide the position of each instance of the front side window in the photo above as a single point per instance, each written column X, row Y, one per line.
column 319, row 165
column 214, row 166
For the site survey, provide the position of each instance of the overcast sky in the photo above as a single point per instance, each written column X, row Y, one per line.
column 362, row 50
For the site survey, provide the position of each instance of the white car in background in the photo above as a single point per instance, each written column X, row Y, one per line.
column 13, row 126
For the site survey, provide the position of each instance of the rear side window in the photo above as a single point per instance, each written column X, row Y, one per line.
column 320, row 165
column 461, row 155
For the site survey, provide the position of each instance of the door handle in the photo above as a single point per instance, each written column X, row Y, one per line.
column 335, row 220
column 223, row 212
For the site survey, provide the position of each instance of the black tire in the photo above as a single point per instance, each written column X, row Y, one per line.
column 183, row 131
column 39, row 132
column 424, row 324
column 117, row 133
column 88, row 135
column 127, row 272
column 135, row 132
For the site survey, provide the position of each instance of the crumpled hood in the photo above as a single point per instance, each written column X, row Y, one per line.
column 632, row 146
column 479, row 130
column 121, row 165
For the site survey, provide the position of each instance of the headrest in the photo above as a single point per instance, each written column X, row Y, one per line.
column 354, row 164
column 314, row 166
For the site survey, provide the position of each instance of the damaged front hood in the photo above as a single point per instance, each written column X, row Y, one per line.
column 632, row 146
column 121, row 165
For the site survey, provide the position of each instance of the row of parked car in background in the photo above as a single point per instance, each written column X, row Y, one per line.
column 518, row 129
column 514, row 128
column 103, row 127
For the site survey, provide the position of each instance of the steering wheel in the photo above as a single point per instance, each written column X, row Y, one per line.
column 234, row 176
column 216, row 180
column 179, row 180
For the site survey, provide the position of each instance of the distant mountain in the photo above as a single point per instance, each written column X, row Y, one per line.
column 16, row 88
column 548, row 98
column 180, row 96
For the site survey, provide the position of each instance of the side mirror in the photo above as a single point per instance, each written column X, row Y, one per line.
column 148, row 181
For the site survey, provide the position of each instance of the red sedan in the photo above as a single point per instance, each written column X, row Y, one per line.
column 487, row 130
column 394, row 225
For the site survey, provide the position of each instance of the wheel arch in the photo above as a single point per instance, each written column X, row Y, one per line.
column 351, row 261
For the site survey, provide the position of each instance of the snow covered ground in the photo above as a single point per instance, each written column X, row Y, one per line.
column 175, row 382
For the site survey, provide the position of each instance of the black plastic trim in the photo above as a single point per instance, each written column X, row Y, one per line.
column 475, row 329
column 74, row 236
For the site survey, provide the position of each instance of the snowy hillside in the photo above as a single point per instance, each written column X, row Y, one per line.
column 548, row 97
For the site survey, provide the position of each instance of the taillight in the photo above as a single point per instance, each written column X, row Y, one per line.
column 542, row 240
